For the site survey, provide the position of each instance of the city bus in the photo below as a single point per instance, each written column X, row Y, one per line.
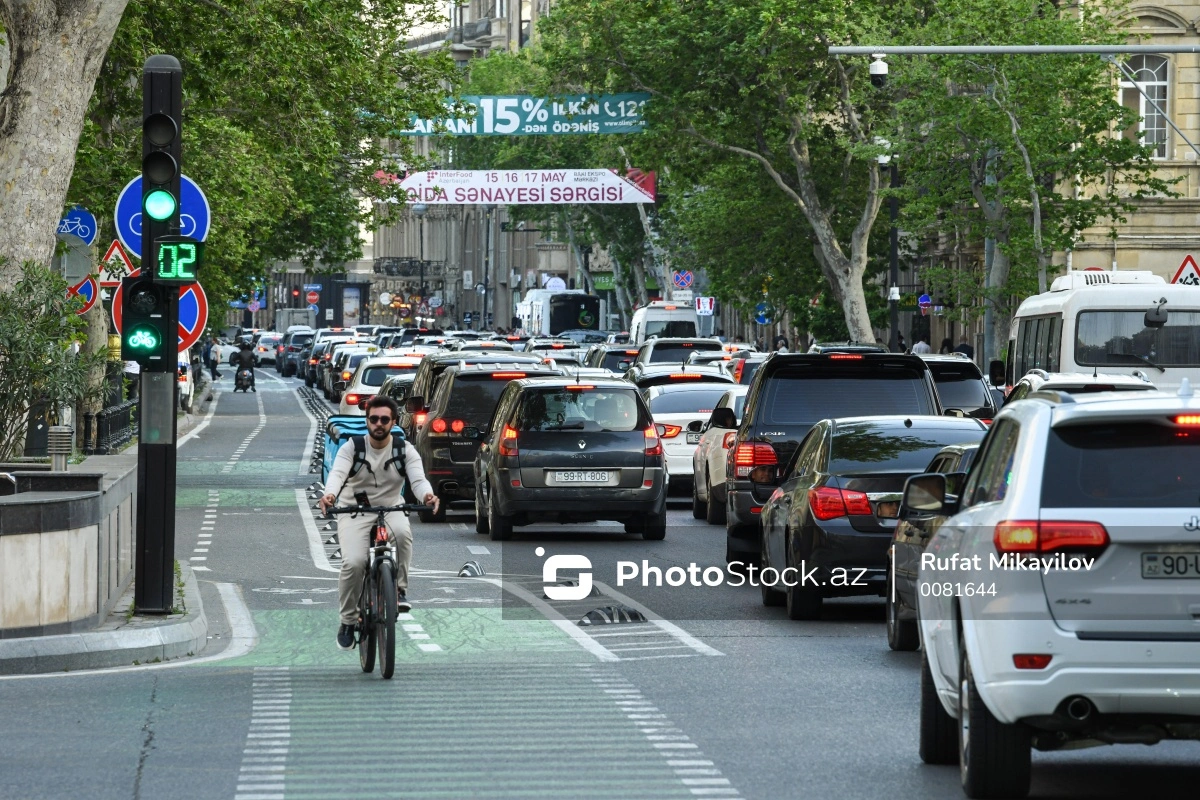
column 1101, row 321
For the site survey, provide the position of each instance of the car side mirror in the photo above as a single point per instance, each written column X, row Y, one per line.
column 414, row 404
column 695, row 426
column 722, row 418
column 954, row 412
column 924, row 494
column 996, row 372
column 1157, row 316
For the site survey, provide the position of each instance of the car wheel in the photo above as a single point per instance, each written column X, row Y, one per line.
column 308, row 382
column 439, row 515
column 499, row 525
column 993, row 757
column 655, row 527
column 481, row 519
column 771, row 597
column 715, row 513
column 939, row 730
column 699, row 507
column 803, row 602
column 901, row 633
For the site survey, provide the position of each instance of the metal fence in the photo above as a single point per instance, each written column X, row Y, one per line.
column 115, row 426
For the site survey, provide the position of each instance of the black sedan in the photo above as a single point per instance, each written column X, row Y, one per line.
column 913, row 532
column 560, row 450
column 827, row 528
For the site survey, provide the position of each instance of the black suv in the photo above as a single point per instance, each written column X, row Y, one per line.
column 415, row 409
column 459, row 413
column 961, row 385
column 792, row 392
column 288, row 363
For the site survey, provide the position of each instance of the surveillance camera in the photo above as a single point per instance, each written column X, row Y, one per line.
column 879, row 71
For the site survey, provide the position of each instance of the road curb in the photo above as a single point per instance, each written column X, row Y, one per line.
column 140, row 639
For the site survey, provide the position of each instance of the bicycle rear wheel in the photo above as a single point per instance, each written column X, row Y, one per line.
column 385, row 619
column 366, row 631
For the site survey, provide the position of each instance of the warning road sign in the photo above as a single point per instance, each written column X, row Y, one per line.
column 1188, row 274
column 114, row 266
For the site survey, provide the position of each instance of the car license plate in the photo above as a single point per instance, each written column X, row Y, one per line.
column 581, row 476
column 693, row 438
column 1171, row 565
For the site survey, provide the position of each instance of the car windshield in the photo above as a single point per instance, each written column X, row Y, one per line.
column 702, row 401
column 678, row 352
column 870, row 448
column 1121, row 465
column 670, row 327
column 578, row 410
column 795, row 400
column 1121, row 338
column 375, row 376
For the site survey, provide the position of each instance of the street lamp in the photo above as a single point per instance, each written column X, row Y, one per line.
column 419, row 209
column 893, row 248
column 487, row 252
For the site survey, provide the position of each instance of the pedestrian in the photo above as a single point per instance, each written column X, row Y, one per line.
column 947, row 346
column 206, row 355
column 781, row 344
column 215, row 353
column 922, row 346
column 901, row 346
column 133, row 372
column 965, row 348
column 721, row 335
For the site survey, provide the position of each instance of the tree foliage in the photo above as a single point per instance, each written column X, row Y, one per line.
column 38, row 363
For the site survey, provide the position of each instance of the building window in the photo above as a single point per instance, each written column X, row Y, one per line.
column 1151, row 77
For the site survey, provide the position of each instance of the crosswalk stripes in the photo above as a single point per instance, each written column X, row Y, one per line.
column 264, row 759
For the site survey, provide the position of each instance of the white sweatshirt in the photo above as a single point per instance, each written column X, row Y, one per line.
column 384, row 486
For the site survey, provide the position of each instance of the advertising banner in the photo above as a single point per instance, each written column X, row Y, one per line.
column 524, row 115
column 520, row 187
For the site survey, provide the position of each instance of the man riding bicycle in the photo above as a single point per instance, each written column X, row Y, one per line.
column 378, row 467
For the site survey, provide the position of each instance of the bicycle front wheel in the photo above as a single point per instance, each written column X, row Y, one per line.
column 385, row 619
column 366, row 631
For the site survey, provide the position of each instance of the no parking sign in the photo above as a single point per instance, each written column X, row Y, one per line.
column 193, row 312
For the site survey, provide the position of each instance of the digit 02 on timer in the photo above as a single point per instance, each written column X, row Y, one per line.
column 177, row 259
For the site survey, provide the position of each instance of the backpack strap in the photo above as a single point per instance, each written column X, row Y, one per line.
column 360, row 455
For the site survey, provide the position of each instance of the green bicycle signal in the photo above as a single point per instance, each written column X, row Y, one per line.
column 143, row 339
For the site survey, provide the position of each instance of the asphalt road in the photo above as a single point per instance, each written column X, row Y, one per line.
column 497, row 693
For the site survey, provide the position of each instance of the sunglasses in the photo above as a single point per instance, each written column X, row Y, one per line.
column 375, row 420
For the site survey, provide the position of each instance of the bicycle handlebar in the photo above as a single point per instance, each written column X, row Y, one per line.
column 377, row 509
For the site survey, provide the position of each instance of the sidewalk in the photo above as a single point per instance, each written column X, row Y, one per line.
column 122, row 639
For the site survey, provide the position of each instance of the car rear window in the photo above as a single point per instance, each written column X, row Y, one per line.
column 613, row 359
column 553, row 409
column 670, row 328
column 375, row 376
column 960, row 389
column 748, row 370
column 795, row 400
column 687, row 402
column 473, row 400
column 1121, row 465
column 300, row 338
column 678, row 352
column 868, row 448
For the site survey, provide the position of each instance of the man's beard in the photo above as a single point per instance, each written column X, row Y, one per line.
column 379, row 433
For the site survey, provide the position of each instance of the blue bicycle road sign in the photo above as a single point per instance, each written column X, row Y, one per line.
column 80, row 222
column 194, row 214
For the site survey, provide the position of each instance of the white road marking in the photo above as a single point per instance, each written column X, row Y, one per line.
column 478, row 550
column 306, row 456
column 194, row 432
column 316, row 547
column 561, row 622
column 667, row 627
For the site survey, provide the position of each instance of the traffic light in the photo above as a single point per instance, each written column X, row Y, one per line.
column 162, row 137
column 149, row 334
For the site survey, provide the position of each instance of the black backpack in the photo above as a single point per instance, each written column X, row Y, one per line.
column 360, row 455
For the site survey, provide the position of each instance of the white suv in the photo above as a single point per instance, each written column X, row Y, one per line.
column 1060, row 604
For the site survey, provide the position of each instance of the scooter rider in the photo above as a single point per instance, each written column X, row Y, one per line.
column 245, row 360
column 383, row 466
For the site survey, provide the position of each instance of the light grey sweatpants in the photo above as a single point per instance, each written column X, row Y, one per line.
column 354, row 534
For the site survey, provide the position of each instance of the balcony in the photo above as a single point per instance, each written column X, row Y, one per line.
column 430, row 41
column 407, row 267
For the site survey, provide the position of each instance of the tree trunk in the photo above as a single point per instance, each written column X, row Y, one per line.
column 996, row 337
column 639, row 280
column 55, row 52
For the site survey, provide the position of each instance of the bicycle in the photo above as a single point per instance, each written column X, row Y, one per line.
column 377, row 597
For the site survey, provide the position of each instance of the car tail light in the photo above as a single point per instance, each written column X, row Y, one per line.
column 419, row 418
column 670, row 308
column 846, row 356
column 312, row 361
column 438, row 425
column 352, row 399
column 183, row 377
column 670, row 431
column 749, row 455
column 557, row 346
column 686, row 376
column 507, row 376
column 1187, row 419
column 345, row 376
column 1031, row 660
column 1025, row 536
column 508, row 441
column 579, row 387
column 457, row 426
column 829, row 502
column 653, row 443
column 728, row 439
column 737, row 370
column 631, row 352
column 686, row 344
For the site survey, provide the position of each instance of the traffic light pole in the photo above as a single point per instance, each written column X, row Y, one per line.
column 154, row 570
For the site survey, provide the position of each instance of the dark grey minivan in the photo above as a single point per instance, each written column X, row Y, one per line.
column 559, row 450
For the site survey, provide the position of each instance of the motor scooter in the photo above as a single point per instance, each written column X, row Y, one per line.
column 243, row 381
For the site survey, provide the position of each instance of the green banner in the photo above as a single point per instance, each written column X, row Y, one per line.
column 525, row 115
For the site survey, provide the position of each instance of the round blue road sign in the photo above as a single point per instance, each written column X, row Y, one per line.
column 314, row 308
column 80, row 222
column 763, row 313
column 194, row 214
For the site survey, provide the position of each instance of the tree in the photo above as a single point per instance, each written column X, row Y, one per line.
column 38, row 362
column 55, row 49
column 1016, row 149
column 750, row 78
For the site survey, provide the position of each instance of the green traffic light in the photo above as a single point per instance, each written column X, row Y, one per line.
column 160, row 205
column 143, row 337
